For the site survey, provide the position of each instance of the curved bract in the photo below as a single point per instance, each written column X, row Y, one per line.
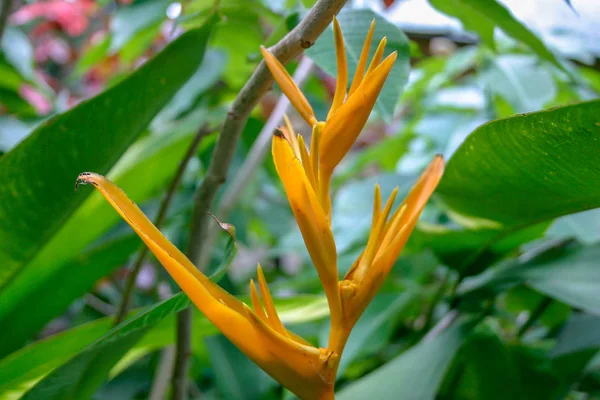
column 307, row 371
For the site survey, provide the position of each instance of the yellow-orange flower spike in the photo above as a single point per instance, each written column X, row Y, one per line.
column 311, row 219
column 349, row 112
column 301, row 368
column 342, row 129
column 365, row 278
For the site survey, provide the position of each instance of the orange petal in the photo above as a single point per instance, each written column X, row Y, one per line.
column 374, row 240
column 222, row 309
column 274, row 320
column 402, row 225
column 295, row 365
column 311, row 219
column 362, row 61
column 377, row 56
column 289, row 87
column 342, row 69
column 300, row 368
column 342, row 129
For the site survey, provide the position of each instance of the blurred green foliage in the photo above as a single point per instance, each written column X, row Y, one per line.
column 496, row 295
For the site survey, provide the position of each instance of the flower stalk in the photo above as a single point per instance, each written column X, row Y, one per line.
column 305, row 172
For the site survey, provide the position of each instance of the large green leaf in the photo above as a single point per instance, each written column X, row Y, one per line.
column 22, row 369
column 141, row 172
column 517, row 171
column 376, row 326
column 520, row 81
column 236, row 376
column 580, row 333
column 415, row 374
column 481, row 16
column 355, row 25
column 471, row 251
column 484, row 369
column 36, row 177
column 75, row 277
column 571, row 277
column 83, row 374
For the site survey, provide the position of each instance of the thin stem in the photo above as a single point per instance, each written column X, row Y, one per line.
column 183, row 351
column 301, row 37
column 535, row 314
column 160, row 217
column 162, row 376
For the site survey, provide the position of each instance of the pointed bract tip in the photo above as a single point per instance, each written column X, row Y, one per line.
column 278, row 133
column 85, row 178
column 438, row 163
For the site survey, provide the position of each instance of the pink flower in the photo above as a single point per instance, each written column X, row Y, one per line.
column 36, row 99
column 71, row 16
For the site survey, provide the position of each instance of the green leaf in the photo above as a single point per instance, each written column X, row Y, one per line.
column 236, row 376
column 83, row 374
column 580, row 333
column 485, row 370
column 22, row 369
column 482, row 16
column 519, row 80
column 12, row 131
column 238, row 39
column 375, row 326
column 207, row 75
column 471, row 251
column 56, row 293
column 18, row 51
column 36, row 177
column 355, row 25
column 415, row 374
column 143, row 170
column 91, row 56
column 571, row 277
column 521, row 170
column 535, row 369
column 130, row 20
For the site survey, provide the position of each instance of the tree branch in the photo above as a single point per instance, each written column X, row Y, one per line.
column 301, row 37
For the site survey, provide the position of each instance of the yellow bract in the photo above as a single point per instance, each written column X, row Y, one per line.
column 349, row 111
column 293, row 362
column 307, row 371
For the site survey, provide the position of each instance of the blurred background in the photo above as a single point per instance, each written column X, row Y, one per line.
column 455, row 72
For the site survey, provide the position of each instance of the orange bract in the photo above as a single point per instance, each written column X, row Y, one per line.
column 307, row 371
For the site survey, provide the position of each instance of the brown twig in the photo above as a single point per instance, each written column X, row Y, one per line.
column 300, row 38
column 162, row 213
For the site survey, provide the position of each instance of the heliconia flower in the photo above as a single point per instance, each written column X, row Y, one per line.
column 389, row 233
column 349, row 111
column 307, row 371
